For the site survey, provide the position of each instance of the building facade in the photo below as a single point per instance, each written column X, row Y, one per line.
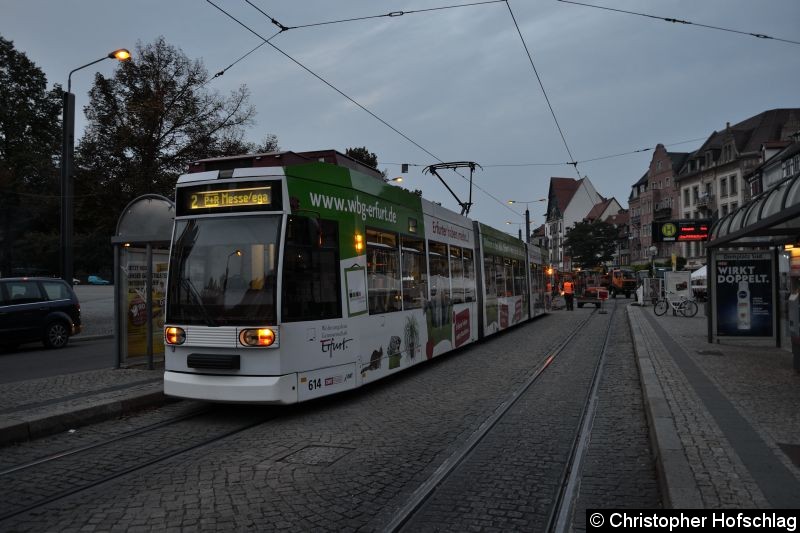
column 711, row 182
column 654, row 198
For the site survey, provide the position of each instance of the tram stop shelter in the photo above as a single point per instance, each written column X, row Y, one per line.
column 141, row 254
column 761, row 238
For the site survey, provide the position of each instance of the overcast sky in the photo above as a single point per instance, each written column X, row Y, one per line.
column 458, row 81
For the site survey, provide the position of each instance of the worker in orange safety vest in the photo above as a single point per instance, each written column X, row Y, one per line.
column 569, row 294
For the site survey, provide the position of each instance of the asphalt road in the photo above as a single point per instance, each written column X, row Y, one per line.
column 92, row 349
column 31, row 361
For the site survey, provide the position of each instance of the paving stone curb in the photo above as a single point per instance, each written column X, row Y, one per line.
column 35, row 426
column 678, row 486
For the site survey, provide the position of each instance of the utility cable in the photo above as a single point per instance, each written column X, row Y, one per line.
column 390, row 14
column 329, row 84
column 680, row 21
column 573, row 162
column 563, row 163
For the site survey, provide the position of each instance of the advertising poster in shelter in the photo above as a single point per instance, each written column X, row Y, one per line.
column 135, row 303
column 678, row 284
column 744, row 289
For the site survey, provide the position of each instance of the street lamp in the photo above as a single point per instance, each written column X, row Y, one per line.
column 527, row 215
column 519, row 227
column 67, row 150
column 237, row 253
column 653, row 251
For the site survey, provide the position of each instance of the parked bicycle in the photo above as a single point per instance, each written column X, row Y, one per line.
column 685, row 306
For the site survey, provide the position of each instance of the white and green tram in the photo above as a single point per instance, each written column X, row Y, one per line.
column 298, row 275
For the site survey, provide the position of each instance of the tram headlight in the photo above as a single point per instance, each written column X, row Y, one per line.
column 257, row 337
column 174, row 335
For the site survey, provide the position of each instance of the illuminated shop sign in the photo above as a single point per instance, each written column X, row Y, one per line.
column 681, row 230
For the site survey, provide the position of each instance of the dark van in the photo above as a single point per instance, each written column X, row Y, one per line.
column 38, row 309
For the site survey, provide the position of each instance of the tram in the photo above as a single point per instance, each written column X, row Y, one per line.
column 296, row 275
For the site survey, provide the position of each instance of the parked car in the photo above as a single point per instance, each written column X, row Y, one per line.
column 97, row 280
column 38, row 309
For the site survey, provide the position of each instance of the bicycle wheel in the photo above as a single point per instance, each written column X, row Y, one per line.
column 661, row 307
column 689, row 308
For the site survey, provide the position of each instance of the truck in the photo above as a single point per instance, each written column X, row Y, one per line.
column 620, row 281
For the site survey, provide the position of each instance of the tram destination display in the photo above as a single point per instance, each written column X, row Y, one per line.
column 229, row 197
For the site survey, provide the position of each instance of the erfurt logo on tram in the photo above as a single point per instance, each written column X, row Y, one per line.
column 332, row 345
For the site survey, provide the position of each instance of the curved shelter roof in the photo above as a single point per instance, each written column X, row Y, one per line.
column 770, row 219
column 147, row 218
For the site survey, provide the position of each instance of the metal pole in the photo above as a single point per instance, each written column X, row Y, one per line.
column 149, row 305
column 67, row 149
column 117, row 280
column 527, row 224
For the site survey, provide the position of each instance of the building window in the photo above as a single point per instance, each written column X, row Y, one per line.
column 685, row 197
column 695, row 194
column 723, row 187
column 724, row 209
column 733, row 180
column 667, row 182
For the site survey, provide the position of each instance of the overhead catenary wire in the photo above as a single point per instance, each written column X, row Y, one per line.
column 681, row 21
column 391, row 14
column 563, row 163
column 342, row 93
column 573, row 162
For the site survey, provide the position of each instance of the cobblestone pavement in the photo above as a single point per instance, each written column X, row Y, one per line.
column 733, row 406
column 340, row 464
column 41, row 406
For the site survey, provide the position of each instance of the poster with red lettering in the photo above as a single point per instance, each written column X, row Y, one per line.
column 462, row 327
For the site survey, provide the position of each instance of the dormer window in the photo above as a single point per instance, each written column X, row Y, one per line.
column 709, row 159
column 727, row 152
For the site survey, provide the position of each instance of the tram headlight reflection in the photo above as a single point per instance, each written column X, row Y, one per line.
column 174, row 335
column 257, row 337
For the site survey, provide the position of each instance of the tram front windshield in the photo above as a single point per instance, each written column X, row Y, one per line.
column 223, row 271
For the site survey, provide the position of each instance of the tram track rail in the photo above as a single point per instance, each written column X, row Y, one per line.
column 135, row 466
column 560, row 513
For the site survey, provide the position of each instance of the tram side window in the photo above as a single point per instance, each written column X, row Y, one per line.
column 440, row 271
column 490, row 275
column 469, row 275
column 519, row 277
column 505, row 287
column 415, row 273
column 457, row 274
column 500, row 276
column 311, row 270
column 383, row 272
